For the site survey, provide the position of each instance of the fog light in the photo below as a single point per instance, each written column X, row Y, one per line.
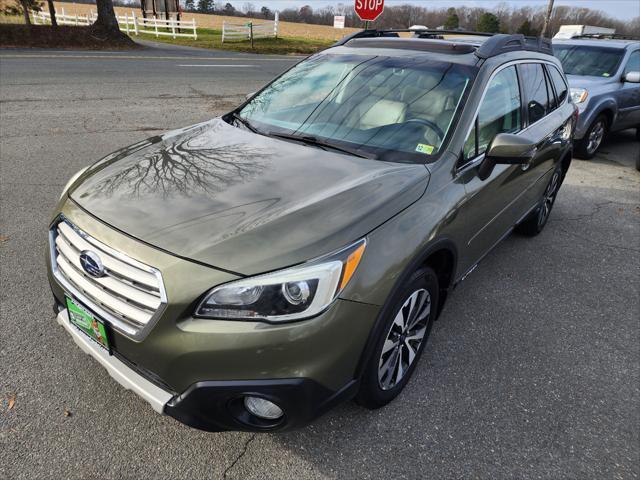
column 262, row 408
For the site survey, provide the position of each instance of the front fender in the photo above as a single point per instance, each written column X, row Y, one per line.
column 592, row 110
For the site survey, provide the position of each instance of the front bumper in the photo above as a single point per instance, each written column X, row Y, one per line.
column 218, row 405
column 119, row 371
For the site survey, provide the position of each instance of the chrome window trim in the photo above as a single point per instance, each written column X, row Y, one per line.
column 476, row 160
column 118, row 324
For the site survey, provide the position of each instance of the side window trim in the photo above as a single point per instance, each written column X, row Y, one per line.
column 551, row 86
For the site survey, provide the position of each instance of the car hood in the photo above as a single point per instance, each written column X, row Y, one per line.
column 243, row 202
column 584, row 81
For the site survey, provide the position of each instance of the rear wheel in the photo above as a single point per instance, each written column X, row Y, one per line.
column 535, row 222
column 587, row 147
column 405, row 333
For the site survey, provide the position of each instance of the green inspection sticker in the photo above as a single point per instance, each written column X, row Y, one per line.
column 87, row 323
column 424, row 148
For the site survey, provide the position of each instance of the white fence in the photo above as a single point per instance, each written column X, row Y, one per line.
column 250, row 30
column 44, row 18
column 158, row 26
column 128, row 23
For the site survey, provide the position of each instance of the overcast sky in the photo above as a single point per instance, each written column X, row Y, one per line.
column 622, row 9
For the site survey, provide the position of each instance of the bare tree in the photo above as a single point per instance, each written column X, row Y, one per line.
column 52, row 13
column 547, row 19
column 106, row 21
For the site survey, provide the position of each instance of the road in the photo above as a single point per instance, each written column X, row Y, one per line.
column 531, row 372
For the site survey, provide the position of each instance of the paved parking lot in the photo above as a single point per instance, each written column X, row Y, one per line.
column 533, row 371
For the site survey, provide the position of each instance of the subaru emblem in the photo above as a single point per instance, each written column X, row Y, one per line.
column 91, row 263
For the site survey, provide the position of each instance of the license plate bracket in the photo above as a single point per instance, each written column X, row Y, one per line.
column 88, row 323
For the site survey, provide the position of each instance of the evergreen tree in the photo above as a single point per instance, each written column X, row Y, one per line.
column 527, row 29
column 205, row 6
column 452, row 22
column 229, row 10
column 189, row 5
column 489, row 23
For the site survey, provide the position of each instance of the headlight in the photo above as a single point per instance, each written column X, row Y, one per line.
column 578, row 95
column 292, row 294
column 72, row 180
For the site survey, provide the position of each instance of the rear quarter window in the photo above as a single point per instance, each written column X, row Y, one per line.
column 558, row 84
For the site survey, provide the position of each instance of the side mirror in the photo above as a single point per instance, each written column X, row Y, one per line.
column 506, row 148
column 631, row 77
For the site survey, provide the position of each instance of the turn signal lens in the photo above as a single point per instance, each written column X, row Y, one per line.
column 350, row 265
column 579, row 95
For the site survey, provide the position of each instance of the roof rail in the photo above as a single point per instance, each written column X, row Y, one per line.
column 495, row 44
column 364, row 34
column 503, row 43
column 612, row 36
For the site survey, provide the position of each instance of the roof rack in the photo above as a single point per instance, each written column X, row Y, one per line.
column 612, row 36
column 495, row 44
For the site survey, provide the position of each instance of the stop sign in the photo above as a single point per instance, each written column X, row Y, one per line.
column 369, row 10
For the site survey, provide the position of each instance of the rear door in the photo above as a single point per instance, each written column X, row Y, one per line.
column 546, row 122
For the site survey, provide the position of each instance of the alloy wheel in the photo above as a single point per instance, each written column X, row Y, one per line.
column 548, row 198
column 595, row 137
column 404, row 339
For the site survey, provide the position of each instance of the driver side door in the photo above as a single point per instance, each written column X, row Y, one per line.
column 491, row 205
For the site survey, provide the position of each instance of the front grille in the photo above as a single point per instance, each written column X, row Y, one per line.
column 130, row 295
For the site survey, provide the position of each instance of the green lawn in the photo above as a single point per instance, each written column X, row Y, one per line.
column 213, row 39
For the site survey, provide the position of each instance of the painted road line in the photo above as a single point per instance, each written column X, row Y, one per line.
column 212, row 65
column 140, row 57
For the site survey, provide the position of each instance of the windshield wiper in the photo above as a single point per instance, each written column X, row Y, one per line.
column 311, row 140
column 244, row 122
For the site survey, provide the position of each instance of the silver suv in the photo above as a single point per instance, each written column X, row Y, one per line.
column 604, row 76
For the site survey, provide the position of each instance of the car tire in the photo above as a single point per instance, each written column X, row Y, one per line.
column 536, row 221
column 396, row 354
column 588, row 146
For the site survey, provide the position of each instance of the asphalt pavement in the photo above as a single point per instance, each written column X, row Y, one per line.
column 533, row 370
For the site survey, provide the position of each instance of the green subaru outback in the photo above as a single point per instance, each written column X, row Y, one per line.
column 252, row 271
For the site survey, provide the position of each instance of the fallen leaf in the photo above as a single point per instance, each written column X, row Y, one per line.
column 12, row 401
column 3, row 238
column 67, row 413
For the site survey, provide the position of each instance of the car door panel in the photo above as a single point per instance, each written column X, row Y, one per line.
column 489, row 206
column 628, row 97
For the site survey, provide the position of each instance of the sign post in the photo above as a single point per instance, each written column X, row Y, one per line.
column 369, row 10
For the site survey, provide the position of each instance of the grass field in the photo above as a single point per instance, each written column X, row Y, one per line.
column 210, row 38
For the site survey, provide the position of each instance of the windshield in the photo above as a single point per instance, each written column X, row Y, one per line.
column 388, row 108
column 588, row 60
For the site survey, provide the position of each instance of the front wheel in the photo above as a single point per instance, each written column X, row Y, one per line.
column 587, row 147
column 534, row 223
column 404, row 335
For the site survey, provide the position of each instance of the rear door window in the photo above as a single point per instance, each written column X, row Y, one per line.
column 536, row 91
column 559, row 84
